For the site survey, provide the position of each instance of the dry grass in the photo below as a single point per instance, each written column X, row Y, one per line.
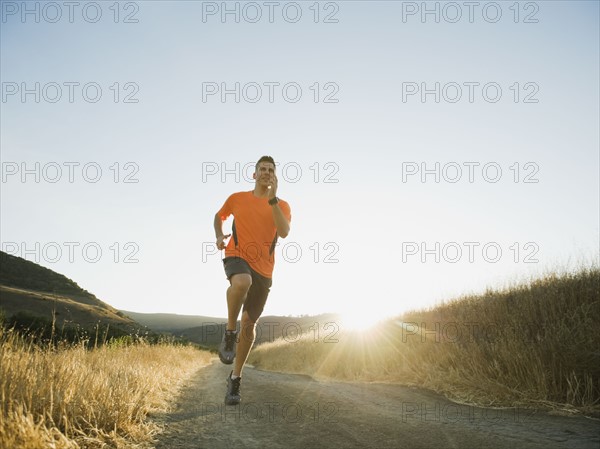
column 533, row 344
column 72, row 397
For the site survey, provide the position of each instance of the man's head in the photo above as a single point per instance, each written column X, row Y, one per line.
column 264, row 159
column 264, row 170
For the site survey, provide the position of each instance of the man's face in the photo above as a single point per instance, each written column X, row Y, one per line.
column 265, row 173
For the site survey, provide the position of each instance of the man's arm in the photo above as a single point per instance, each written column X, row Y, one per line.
column 219, row 232
column 281, row 223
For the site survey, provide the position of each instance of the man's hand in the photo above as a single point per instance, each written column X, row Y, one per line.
column 220, row 243
column 273, row 187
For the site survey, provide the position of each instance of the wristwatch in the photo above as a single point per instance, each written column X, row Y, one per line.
column 273, row 201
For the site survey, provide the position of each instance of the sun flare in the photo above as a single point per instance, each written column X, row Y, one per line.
column 360, row 320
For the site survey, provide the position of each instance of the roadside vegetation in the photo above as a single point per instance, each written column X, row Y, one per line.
column 61, row 394
column 533, row 345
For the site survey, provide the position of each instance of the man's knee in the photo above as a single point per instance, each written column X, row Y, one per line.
column 241, row 281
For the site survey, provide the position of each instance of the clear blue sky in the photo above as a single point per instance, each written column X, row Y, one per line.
column 369, row 129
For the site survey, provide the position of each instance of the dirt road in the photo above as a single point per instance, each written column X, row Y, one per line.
column 293, row 411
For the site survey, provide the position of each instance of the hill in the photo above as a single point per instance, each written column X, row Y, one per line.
column 35, row 294
column 22, row 273
column 170, row 322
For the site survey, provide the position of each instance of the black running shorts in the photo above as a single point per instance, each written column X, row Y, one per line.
column 259, row 290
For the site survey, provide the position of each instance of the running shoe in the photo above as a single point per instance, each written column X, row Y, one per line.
column 232, row 397
column 227, row 347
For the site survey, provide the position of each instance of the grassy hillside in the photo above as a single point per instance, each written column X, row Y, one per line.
column 22, row 305
column 32, row 296
column 22, row 273
column 531, row 344
column 60, row 387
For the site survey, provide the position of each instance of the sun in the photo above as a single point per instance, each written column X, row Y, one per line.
column 360, row 321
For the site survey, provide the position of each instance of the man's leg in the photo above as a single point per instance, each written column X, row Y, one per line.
column 247, row 336
column 236, row 295
column 232, row 396
column 253, row 308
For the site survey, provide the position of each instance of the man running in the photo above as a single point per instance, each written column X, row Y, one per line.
column 259, row 218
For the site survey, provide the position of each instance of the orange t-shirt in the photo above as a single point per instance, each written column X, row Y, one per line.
column 253, row 232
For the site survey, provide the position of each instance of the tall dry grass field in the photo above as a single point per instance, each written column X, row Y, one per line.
column 74, row 397
column 532, row 344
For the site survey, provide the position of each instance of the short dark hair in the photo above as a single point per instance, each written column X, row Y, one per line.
column 264, row 159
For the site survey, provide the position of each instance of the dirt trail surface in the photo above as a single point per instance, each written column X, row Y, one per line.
column 293, row 411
